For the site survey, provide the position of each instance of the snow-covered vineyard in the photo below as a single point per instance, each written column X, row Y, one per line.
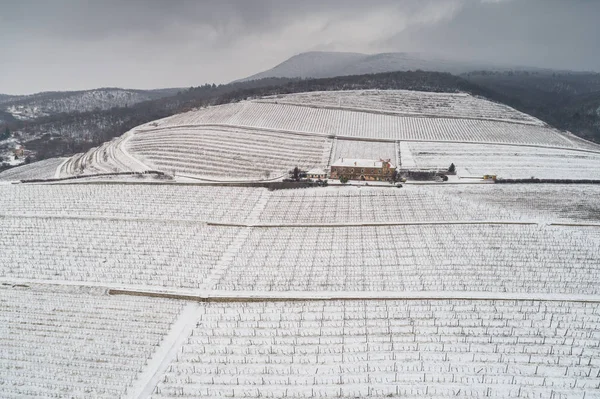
column 435, row 242
column 372, row 125
column 77, row 344
column 360, row 349
column 261, row 139
column 39, row 170
column 506, row 161
column 348, row 205
column 138, row 287
column 405, row 102
column 230, row 153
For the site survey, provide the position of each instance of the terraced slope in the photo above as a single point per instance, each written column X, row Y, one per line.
column 45, row 169
column 226, row 152
column 264, row 138
column 406, row 102
column 369, row 125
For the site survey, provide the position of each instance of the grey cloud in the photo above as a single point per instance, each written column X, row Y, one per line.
column 73, row 44
column 544, row 33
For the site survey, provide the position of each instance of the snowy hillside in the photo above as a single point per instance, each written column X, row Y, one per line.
column 330, row 64
column 140, row 287
column 262, row 139
column 50, row 103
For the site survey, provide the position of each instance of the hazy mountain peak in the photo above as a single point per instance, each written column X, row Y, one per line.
column 324, row 64
column 313, row 64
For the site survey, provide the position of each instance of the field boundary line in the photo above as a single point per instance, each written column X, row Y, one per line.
column 200, row 295
column 28, row 282
column 204, row 179
column 226, row 259
column 253, row 296
column 122, row 144
column 102, row 218
column 59, row 168
column 256, row 129
column 163, row 356
column 271, row 225
column 575, row 224
column 366, row 224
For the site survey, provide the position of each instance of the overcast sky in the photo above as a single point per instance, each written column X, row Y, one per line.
column 81, row 44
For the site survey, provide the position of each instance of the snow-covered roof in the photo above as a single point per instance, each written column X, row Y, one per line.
column 317, row 171
column 360, row 163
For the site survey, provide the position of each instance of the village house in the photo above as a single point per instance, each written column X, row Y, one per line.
column 19, row 151
column 317, row 174
column 362, row 169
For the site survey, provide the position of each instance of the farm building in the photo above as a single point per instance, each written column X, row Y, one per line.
column 317, row 174
column 362, row 169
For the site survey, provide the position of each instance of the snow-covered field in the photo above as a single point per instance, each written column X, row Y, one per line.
column 77, row 343
column 363, row 150
column 108, row 158
column 38, row 170
column 232, row 153
column 430, row 290
column 413, row 203
column 126, row 252
column 456, row 105
column 421, row 238
column 554, row 202
column 124, row 201
column 433, row 258
column 377, row 205
column 507, row 161
column 374, row 125
column 378, row 349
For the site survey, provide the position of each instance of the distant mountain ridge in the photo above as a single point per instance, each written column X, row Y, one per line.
column 37, row 105
column 330, row 64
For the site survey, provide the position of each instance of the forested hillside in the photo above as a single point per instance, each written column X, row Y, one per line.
column 568, row 101
column 50, row 103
